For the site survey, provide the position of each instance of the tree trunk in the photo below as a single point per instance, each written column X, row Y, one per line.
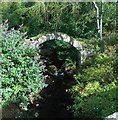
column 99, row 26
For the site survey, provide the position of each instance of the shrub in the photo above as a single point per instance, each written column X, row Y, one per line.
column 21, row 73
column 95, row 90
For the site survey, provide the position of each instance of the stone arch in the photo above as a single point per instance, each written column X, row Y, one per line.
column 82, row 54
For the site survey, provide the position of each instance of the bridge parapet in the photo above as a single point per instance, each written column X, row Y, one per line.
column 82, row 53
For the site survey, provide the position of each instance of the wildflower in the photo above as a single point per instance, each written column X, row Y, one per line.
column 13, row 48
column 29, row 44
column 35, row 75
column 21, row 33
column 21, row 26
column 46, row 75
column 12, row 79
column 13, row 64
column 1, row 61
column 39, row 51
column 9, row 49
column 5, row 39
column 19, row 57
column 32, row 63
column 12, row 28
column 46, row 85
column 29, row 90
column 40, row 74
column 36, row 44
column 6, row 33
column 19, row 77
column 9, row 60
column 25, row 37
column 25, row 33
column 6, row 21
column 36, row 57
column 2, row 24
column 8, row 82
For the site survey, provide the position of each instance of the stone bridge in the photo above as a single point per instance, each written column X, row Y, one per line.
column 82, row 53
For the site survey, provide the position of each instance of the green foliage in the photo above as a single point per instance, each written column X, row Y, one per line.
column 20, row 70
column 63, row 50
column 75, row 19
column 95, row 90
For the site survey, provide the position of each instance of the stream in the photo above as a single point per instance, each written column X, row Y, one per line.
column 57, row 96
column 57, row 99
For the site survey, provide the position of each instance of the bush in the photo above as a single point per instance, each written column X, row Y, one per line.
column 95, row 90
column 21, row 73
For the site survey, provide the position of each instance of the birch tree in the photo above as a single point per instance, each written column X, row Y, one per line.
column 99, row 24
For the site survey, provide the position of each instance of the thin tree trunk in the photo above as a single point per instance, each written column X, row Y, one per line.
column 101, row 46
column 99, row 26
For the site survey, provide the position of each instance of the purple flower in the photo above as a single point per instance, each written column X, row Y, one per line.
column 21, row 33
column 36, row 57
column 46, row 85
column 13, row 48
column 6, row 33
column 5, row 39
column 12, row 28
column 26, row 72
column 8, row 82
column 2, row 33
column 32, row 63
column 36, row 43
column 25, row 33
column 40, row 74
column 9, row 60
column 13, row 64
column 29, row 44
column 43, row 66
column 9, row 49
column 16, row 54
column 1, row 61
column 6, row 21
column 19, row 57
column 25, row 37
column 35, row 75
column 46, row 75
column 29, row 90
column 21, row 26
column 21, row 42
